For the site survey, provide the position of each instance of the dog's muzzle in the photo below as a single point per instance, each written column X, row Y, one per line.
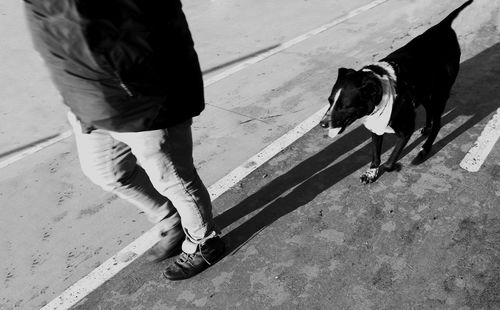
column 327, row 124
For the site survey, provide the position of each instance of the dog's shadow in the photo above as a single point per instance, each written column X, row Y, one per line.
column 475, row 94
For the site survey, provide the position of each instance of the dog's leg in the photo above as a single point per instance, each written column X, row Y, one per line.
column 390, row 164
column 372, row 174
column 428, row 120
column 437, row 108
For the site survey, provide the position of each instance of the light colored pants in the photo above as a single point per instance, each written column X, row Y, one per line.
column 165, row 185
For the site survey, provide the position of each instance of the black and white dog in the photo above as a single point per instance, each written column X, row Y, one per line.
column 388, row 92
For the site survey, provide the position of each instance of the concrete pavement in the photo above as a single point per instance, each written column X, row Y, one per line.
column 55, row 223
column 47, row 204
column 304, row 233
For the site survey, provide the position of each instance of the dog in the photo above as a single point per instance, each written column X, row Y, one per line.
column 388, row 92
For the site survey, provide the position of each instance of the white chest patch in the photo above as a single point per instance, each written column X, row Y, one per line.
column 378, row 121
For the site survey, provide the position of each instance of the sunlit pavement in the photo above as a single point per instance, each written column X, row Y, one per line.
column 302, row 231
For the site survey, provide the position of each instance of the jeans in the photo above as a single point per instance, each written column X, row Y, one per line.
column 154, row 171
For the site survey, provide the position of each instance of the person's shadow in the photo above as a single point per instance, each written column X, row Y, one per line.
column 475, row 94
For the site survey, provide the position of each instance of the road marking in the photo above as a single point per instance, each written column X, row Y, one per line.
column 292, row 42
column 32, row 150
column 131, row 252
column 477, row 154
column 265, row 155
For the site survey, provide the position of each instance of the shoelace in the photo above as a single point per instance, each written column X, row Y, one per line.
column 185, row 257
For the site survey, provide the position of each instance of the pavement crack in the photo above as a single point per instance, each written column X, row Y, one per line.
column 250, row 118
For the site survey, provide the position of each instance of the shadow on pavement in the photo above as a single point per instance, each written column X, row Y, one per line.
column 207, row 71
column 27, row 146
column 232, row 62
column 475, row 94
column 142, row 286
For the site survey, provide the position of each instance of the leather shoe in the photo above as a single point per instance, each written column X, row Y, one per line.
column 188, row 265
column 169, row 245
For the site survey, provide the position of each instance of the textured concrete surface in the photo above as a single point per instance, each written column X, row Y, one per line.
column 302, row 232
column 313, row 237
column 55, row 225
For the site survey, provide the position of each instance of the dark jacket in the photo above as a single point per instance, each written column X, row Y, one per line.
column 120, row 65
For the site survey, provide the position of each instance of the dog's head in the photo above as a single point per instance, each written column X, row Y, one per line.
column 354, row 95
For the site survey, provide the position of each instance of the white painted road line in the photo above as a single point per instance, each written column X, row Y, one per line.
column 34, row 149
column 292, row 42
column 127, row 255
column 477, row 154
column 266, row 154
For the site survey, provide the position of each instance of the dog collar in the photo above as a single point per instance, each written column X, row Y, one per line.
column 387, row 68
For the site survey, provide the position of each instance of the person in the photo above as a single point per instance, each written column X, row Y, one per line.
column 129, row 73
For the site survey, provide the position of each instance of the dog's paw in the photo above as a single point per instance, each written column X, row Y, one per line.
column 369, row 175
column 421, row 157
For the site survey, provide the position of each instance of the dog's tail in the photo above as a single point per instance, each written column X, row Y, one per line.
column 449, row 19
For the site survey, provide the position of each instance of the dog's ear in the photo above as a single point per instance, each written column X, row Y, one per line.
column 343, row 72
column 371, row 88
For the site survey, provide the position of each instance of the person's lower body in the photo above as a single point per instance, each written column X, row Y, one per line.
column 165, row 186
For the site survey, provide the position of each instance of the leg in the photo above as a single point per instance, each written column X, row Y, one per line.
column 111, row 165
column 376, row 150
column 439, row 105
column 390, row 164
column 428, row 120
column 372, row 174
column 166, row 155
column 436, row 111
